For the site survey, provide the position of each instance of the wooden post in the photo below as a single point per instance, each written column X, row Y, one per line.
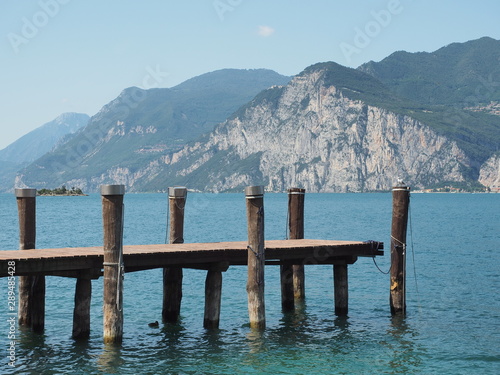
column 340, row 283
column 112, row 214
column 256, row 256
column 31, row 288
column 213, row 293
column 172, row 276
column 400, row 205
column 296, row 198
column 81, row 312
column 286, row 277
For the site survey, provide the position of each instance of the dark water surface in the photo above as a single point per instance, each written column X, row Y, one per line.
column 453, row 292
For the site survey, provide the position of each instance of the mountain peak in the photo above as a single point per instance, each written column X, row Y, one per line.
column 450, row 75
column 41, row 140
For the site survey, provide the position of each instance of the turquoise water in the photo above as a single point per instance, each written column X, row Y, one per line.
column 452, row 326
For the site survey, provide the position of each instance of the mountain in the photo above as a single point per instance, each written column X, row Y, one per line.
column 455, row 90
column 41, row 140
column 316, row 133
column 461, row 74
column 138, row 126
column 328, row 129
column 35, row 144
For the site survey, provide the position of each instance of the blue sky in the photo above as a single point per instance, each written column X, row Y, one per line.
column 77, row 55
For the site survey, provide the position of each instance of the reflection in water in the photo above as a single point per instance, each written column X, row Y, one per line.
column 255, row 340
column 403, row 354
column 110, row 360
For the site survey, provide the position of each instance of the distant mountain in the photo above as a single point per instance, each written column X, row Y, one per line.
column 35, row 144
column 41, row 140
column 462, row 74
column 140, row 126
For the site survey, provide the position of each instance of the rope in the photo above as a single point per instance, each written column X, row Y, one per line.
column 373, row 248
column 253, row 251
column 121, row 267
column 413, row 257
column 287, row 221
column 168, row 221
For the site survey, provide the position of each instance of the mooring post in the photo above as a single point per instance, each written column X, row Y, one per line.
column 400, row 205
column 31, row 288
column 112, row 215
column 296, row 198
column 340, row 286
column 292, row 276
column 256, row 257
column 172, row 276
column 81, row 312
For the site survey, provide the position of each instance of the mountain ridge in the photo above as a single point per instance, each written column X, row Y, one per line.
column 337, row 111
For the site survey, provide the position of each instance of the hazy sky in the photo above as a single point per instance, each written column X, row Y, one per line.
column 77, row 55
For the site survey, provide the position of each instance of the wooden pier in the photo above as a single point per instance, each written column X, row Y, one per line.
column 113, row 259
column 72, row 261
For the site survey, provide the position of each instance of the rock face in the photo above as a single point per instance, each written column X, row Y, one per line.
column 309, row 134
column 489, row 174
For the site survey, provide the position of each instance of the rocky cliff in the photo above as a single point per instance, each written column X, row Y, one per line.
column 489, row 174
column 310, row 134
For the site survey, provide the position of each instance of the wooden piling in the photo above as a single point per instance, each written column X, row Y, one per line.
column 296, row 198
column 213, row 294
column 400, row 205
column 340, row 283
column 31, row 288
column 112, row 214
column 81, row 312
column 172, row 276
column 286, row 278
column 256, row 257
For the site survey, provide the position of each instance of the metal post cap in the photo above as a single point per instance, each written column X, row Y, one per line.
column 254, row 190
column 25, row 193
column 112, row 189
column 177, row 192
column 399, row 188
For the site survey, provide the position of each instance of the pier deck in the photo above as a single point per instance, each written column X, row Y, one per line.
column 70, row 261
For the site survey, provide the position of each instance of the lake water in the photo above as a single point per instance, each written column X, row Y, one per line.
column 453, row 285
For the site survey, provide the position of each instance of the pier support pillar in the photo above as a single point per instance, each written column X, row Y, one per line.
column 31, row 311
column 81, row 312
column 112, row 214
column 172, row 276
column 286, row 278
column 213, row 294
column 256, row 257
column 296, row 198
column 340, row 284
column 400, row 205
